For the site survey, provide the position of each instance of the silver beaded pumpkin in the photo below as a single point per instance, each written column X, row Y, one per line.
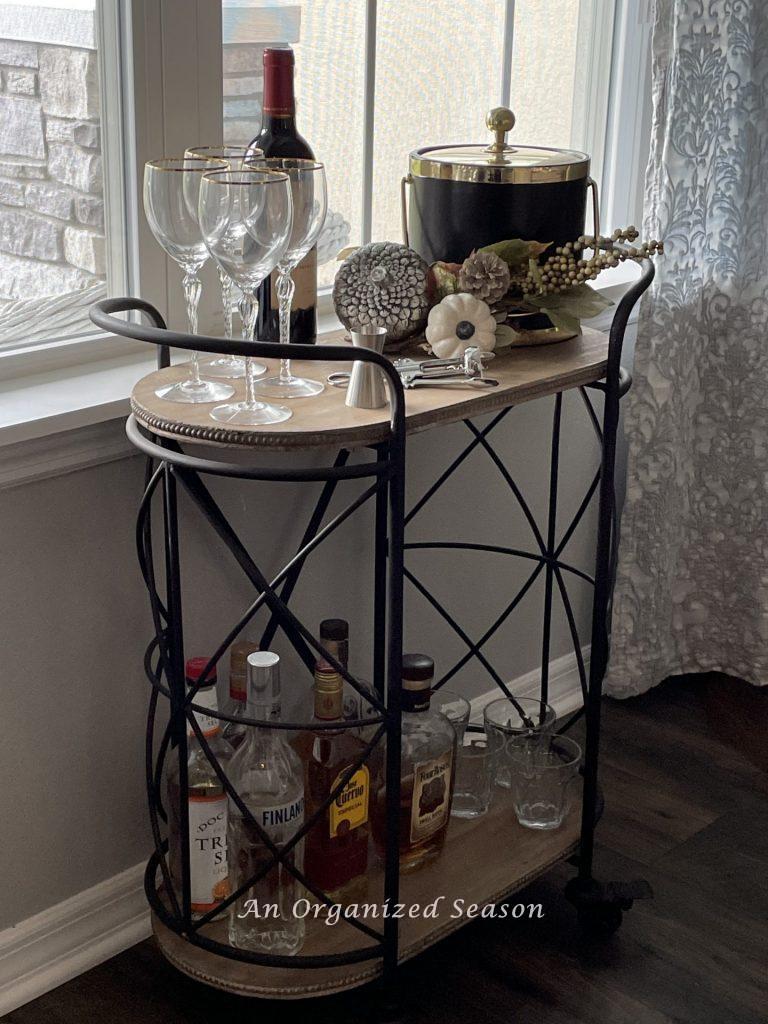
column 383, row 283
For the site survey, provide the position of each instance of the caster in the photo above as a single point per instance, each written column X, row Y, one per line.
column 600, row 920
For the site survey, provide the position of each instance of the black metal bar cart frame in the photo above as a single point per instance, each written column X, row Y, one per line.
column 172, row 468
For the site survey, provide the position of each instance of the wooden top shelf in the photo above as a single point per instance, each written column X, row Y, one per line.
column 483, row 862
column 523, row 373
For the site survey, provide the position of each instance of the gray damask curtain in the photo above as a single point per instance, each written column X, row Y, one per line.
column 692, row 588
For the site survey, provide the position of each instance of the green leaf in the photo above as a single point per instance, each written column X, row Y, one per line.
column 516, row 251
column 505, row 335
column 446, row 282
column 563, row 321
column 346, row 252
column 580, row 302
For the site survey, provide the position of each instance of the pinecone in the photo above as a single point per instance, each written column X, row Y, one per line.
column 484, row 275
column 383, row 283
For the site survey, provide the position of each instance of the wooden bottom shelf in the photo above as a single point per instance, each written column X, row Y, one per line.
column 482, row 862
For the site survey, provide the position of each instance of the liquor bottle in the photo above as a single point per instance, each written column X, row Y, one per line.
column 268, row 777
column 334, row 636
column 279, row 138
column 427, row 771
column 336, row 850
column 234, row 732
column 206, row 803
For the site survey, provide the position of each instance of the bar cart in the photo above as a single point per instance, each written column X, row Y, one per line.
column 184, row 446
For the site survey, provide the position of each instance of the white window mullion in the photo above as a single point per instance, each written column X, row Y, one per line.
column 369, row 114
column 507, row 56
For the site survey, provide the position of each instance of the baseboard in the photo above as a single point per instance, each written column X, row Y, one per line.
column 565, row 695
column 52, row 947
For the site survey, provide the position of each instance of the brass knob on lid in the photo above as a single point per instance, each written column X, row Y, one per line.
column 500, row 120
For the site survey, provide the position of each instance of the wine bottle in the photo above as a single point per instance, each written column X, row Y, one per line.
column 279, row 138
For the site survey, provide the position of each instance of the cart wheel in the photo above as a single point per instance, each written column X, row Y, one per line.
column 600, row 919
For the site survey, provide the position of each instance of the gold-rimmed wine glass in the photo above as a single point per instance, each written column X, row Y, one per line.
column 231, row 367
column 171, row 193
column 245, row 217
column 310, row 205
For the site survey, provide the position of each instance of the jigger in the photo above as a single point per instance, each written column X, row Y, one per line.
column 366, row 389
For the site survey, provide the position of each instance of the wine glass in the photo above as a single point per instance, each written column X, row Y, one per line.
column 171, row 191
column 234, row 156
column 310, row 204
column 245, row 218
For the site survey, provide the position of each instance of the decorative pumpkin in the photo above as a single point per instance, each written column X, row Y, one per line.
column 383, row 283
column 458, row 322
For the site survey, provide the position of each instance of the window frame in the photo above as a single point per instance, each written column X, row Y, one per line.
column 160, row 76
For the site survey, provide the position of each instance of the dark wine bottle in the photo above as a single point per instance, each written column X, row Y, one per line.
column 279, row 138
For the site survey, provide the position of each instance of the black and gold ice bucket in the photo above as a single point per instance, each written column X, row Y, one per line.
column 466, row 196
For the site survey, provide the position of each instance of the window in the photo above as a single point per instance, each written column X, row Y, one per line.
column 375, row 80
column 53, row 251
column 90, row 89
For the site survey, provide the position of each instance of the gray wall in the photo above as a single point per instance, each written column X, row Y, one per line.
column 74, row 623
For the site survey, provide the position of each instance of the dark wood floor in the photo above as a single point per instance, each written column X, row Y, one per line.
column 683, row 809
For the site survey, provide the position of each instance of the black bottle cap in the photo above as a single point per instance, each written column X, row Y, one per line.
column 334, row 629
column 418, row 668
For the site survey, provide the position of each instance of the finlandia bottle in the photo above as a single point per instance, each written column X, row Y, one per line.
column 336, row 850
column 427, row 771
column 268, row 777
column 234, row 732
column 206, row 805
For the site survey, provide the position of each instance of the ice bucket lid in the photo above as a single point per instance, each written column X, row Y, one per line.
column 499, row 163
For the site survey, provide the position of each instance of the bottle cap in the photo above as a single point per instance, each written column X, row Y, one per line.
column 334, row 629
column 194, row 669
column 418, row 671
column 280, row 56
column 238, row 667
column 263, row 677
column 329, row 688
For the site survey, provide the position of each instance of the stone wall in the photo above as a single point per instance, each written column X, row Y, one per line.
column 51, row 189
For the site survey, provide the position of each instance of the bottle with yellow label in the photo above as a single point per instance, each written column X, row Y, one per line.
column 336, row 848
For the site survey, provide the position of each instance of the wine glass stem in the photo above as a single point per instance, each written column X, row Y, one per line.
column 192, row 287
column 285, row 289
column 249, row 308
column 226, row 301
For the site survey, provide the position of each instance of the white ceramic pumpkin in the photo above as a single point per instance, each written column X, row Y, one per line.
column 458, row 322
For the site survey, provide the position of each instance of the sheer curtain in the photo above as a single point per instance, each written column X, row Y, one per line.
column 692, row 587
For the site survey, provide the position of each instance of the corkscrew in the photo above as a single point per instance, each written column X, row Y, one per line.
column 466, row 369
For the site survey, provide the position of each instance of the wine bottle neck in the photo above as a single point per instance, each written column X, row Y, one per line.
column 279, row 101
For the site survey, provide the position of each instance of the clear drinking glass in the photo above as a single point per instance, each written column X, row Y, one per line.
column 227, row 366
column 543, row 778
column 310, row 204
column 503, row 720
column 455, row 708
column 171, row 190
column 472, row 788
column 245, row 217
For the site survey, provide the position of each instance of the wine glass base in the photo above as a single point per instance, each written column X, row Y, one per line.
column 229, row 367
column 293, row 387
column 193, row 392
column 250, row 414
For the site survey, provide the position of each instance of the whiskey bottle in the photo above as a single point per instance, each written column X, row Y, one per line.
column 334, row 635
column 427, row 771
column 206, row 803
column 336, row 851
column 268, row 778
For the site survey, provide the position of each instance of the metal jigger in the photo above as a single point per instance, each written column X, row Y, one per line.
column 366, row 389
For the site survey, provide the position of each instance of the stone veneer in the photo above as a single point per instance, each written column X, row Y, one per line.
column 51, row 189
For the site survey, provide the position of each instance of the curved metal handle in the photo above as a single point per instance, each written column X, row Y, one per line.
column 404, row 182
column 591, row 183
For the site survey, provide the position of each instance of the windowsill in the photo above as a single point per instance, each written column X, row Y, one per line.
column 60, row 400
